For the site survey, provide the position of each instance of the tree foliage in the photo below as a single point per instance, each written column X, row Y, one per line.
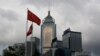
column 18, row 51
column 14, row 51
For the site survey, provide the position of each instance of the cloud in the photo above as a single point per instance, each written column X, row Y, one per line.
column 7, row 25
column 6, row 17
column 8, row 14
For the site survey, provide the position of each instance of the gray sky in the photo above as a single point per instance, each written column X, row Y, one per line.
column 79, row 15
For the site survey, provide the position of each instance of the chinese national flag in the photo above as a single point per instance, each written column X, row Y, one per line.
column 32, row 17
column 30, row 30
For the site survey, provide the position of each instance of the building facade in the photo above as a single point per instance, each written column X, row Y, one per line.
column 56, row 43
column 72, row 40
column 32, row 46
column 48, row 33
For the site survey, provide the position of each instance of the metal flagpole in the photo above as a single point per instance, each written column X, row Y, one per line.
column 26, row 39
column 41, row 43
column 26, row 35
column 31, row 41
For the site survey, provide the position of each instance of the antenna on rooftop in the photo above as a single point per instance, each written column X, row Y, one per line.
column 49, row 4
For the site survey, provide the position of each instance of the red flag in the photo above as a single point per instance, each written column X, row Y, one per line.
column 30, row 30
column 32, row 17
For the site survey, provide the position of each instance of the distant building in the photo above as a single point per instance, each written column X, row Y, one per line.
column 28, row 47
column 32, row 45
column 35, row 41
column 72, row 40
column 48, row 33
column 56, row 43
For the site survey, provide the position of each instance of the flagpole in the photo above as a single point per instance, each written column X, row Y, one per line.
column 32, row 17
column 26, row 39
column 26, row 35
column 31, row 40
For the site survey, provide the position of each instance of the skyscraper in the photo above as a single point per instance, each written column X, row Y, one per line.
column 56, row 43
column 48, row 33
column 72, row 40
column 32, row 46
column 35, row 44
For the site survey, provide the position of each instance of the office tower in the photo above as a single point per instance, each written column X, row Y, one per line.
column 35, row 41
column 48, row 33
column 56, row 43
column 32, row 46
column 28, row 48
column 72, row 40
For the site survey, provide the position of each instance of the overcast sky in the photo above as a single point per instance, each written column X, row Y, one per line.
column 80, row 15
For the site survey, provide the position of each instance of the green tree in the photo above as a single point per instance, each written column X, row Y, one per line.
column 14, row 51
column 18, row 51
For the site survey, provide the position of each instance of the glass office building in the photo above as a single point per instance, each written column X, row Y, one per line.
column 72, row 40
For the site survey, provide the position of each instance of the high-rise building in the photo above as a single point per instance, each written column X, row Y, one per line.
column 56, row 43
column 72, row 40
column 35, row 41
column 32, row 45
column 48, row 32
column 28, row 48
